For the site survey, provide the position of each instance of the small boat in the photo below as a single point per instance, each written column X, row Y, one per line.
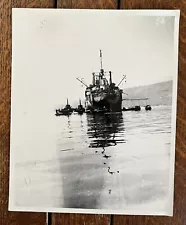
column 129, row 109
column 67, row 110
column 148, row 107
column 80, row 109
column 137, row 108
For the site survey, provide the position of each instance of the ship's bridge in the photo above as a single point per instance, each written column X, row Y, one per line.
column 100, row 80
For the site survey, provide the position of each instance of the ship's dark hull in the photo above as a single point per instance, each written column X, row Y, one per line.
column 106, row 105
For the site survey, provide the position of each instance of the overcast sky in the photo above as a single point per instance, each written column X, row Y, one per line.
column 52, row 48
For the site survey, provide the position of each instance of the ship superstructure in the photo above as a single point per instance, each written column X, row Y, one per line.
column 103, row 95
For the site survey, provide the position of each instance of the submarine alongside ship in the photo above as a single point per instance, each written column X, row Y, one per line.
column 102, row 96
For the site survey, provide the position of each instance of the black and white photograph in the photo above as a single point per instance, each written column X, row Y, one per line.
column 93, row 111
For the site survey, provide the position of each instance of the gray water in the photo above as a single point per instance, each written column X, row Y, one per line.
column 136, row 147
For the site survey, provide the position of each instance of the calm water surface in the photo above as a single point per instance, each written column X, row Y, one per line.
column 113, row 161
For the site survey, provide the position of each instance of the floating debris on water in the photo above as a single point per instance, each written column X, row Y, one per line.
column 110, row 171
column 103, row 150
column 106, row 156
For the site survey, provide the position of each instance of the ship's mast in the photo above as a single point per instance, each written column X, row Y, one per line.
column 101, row 60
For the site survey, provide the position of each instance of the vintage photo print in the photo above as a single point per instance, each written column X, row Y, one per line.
column 93, row 111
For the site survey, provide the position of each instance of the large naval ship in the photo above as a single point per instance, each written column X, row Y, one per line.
column 103, row 95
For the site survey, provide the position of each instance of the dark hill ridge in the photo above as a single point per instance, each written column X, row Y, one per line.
column 158, row 93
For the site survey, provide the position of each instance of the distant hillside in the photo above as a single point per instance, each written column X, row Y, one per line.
column 158, row 94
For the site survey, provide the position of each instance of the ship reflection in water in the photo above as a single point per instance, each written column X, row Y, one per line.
column 116, row 159
column 85, row 168
column 105, row 130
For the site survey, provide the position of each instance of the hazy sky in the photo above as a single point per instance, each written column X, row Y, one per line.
column 52, row 48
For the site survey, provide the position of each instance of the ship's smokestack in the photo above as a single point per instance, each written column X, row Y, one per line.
column 93, row 78
column 110, row 73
